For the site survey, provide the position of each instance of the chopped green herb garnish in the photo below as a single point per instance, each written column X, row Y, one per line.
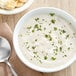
column 49, row 24
column 55, row 53
column 60, row 48
column 33, row 30
column 60, row 33
column 34, row 56
column 60, row 42
column 65, row 56
column 53, row 21
column 53, row 58
column 55, row 28
column 33, row 47
column 46, row 35
column 38, row 56
column 40, row 26
column 39, row 29
column 45, row 57
column 29, row 27
column 68, row 48
column 51, row 14
column 35, row 39
column 35, row 52
column 63, row 31
column 50, row 38
column 36, row 19
column 40, row 61
column 26, row 42
column 44, row 28
column 67, row 36
column 56, row 49
column 52, row 44
column 36, row 26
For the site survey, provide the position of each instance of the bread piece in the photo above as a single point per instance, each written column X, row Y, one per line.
column 22, row 0
column 19, row 4
column 11, row 4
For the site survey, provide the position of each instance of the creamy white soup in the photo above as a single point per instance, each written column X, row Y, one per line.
column 47, row 40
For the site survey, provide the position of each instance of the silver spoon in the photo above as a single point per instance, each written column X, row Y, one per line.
column 5, row 51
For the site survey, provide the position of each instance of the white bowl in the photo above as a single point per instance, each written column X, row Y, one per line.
column 16, row 10
column 21, row 22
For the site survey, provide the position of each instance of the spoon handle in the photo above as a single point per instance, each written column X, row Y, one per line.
column 11, row 68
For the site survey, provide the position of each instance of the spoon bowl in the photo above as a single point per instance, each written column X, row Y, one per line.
column 5, row 51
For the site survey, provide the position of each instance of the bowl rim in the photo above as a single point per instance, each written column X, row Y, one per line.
column 16, row 10
column 19, row 54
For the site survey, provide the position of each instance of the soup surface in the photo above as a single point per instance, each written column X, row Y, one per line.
column 47, row 40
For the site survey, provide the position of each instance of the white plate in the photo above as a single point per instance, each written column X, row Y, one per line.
column 16, row 10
